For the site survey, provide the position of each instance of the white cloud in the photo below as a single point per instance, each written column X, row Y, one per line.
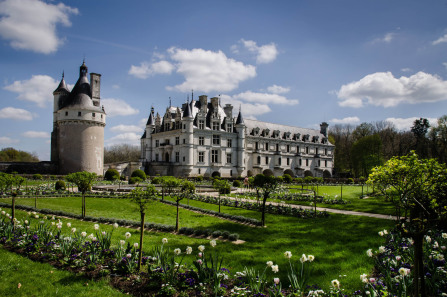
column 265, row 98
column 127, row 138
column 15, row 114
column 387, row 38
column 38, row 89
column 264, row 54
column 126, row 128
column 275, row 89
column 383, row 89
column 406, row 70
column 249, row 110
column 405, row 124
column 36, row 134
column 208, row 71
column 118, row 107
column 146, row 69
column 347, row 120
column 31, row 24
column 7, row 140
column 445, row 65
column 440, row 40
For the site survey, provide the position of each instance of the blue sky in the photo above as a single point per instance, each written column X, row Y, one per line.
column 290, row 62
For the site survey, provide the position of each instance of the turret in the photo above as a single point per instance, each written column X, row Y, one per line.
column 240, row 129
column 323, row 128
column 188, row 128
column 95, row 81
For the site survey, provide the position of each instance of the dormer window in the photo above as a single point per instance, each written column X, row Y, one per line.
column 216, row 126
column 256, row 131
column 202, row 124
column 286, row 135
column 229, row 128
column 275, row 134
column 265, row 132
column 297, row 136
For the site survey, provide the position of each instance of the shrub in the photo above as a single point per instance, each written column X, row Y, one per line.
column 139, row 173
column 287, row 178
column 216, row 233
column 111, row 174
column 134, row 180
column 156, row 180
column 37, row 176
column 233, row 237
column 198, row 232
column 199, row 178
column 225, row 234
column 237, row 183
column 60, row 185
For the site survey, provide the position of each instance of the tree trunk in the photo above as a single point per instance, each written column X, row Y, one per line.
column 176, row 219
column 219, row 202
column 13, row 210
column 83, row 205
column 140, row 255
column 263, row 211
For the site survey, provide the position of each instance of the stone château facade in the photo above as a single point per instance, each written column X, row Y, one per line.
column 203, row 138
column 77, row 140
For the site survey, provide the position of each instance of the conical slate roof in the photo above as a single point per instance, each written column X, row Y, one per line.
column 240, row 120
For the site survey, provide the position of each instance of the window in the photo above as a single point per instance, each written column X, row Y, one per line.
column 184, row 140
column 279, row 161
column 101, row 116
column 300, row 162
column 266, row 146
column 288, row 148
column 325, row 151
column 229, row 144
column 288, row 161
column 167, row 142
column 66, row 113
column 229, row 128
column 216, row 126
column 157, row 143
column 93, row 114
column 297, row 149
column 216, row 139
column 228, row 158
column 201, row 157
column 201, row 124
column 184, row 159
column 167, row 126
column 177, row 156
column 325, row 163
column 201, row 140
column 266, row 160
column 307, row 149
column 214, row 156
column 307, row 162
column 319, row 163
column 259, row 160
column 177, row 140
column 79, row 114
column 156, row 157
column 256, row 145
column 277, row 147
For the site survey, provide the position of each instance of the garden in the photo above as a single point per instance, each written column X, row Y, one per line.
column 199, row 246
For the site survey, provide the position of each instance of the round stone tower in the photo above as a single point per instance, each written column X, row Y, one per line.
column 77, row 140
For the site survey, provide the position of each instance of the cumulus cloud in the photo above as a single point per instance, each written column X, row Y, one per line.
column 126, row 128
column 347, row 120
column 383, row 89
column 265, row 98
column 264, row 54
column 278, row 89
column 38, row 89
column 7, row 140
column 387, row 38
column 208, row 71
column 127, row 138
column 15, row 114
column 249, row 110
column 31, row 24
column 118, row 107
column 405, row 124
column 147, row 69
column 441, row 39
column 36, row 134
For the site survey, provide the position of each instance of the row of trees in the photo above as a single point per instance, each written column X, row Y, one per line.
column 10, row 154
column 360, row 148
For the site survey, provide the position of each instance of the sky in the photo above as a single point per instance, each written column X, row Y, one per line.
column 296, row 63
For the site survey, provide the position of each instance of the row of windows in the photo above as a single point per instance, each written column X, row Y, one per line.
column 306, row 149
column 288, row 161
column 216, row 126
column 80, row 114
column 214, row 157
column 216, row 141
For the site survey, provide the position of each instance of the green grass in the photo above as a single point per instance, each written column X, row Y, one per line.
column 41, row 279
column 339, row 242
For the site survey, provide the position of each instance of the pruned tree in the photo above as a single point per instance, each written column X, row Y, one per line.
column 417, row 187
column 222, row 186
column 84, row 181
column 266, row 185
column 142, row 199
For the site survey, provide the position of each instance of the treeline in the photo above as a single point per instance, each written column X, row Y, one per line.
column 121, row 153
column 360, row 148
column 10, row 154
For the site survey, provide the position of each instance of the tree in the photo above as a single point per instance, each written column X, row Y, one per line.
column 142, row 199
column 222, row 186
column 121, row 153
column 139, row 173
column 420, row 129
column 366, row 154
column 185, row 190
column 416, row 186
column 84, row 181
column 10, row 154
column 266, row 185
column 169, row 183
column 438, row 139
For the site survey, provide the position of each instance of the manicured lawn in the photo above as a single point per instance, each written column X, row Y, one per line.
column 41, row 279
column 338, row 243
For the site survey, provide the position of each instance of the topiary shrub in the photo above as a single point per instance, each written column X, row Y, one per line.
column 216, row 233
column 225, row 234
column 139, row 173
column 60, row 185
column 111, row 174
column 237, row 183
column 134, row 180
column 37, row 176
column 233, row 237
column 287, row 178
